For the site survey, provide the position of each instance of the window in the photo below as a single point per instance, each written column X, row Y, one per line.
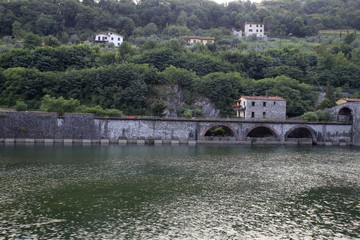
column 105, row 38
column 264, row 104
column 261, row 25
column 257, row 30
column 118, row 44
column 264, row 114
column 257, row 25
column 250, row 25
column 274, row 103
column 252, row 103
column 112, row 38
column 260, row 30
column 250, row 30
column 252, row 114
column 118, row 39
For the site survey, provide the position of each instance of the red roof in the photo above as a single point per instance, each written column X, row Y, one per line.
column 351, row 99
column 196, row 37
column 272, row 98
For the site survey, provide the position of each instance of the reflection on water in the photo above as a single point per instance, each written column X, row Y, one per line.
column 165, row 192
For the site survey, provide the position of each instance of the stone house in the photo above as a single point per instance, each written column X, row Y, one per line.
column 195, row 39
column 261, row 107
column 109, row 37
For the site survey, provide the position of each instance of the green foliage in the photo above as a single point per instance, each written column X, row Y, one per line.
column 157, row 108
column 99, row 111
column 101, row 76
column 51, row 41
column 222, row 89
column 219, row 131
column 324, row 116
column 349, row 38
column 32, row 41
column 188, row 111
column 59, row 105
column 300, row 97
column 310, row 116
column 325, row 103
column 184, row 78
column 21, row 106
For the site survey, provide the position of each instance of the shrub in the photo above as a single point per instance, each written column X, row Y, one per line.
column 59, row 105
column 99, row 111
column 324, row 116
column 310, row 116
column 21, row 106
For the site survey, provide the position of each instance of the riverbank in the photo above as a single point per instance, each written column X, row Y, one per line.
column 165, row 142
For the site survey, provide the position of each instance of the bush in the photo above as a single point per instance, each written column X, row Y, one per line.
column 310, row 116
column 59, row 105
column 21, row 106
column 99, row 111
column 324, row 116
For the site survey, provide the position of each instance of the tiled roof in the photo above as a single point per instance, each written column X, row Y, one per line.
column 273, row 98
column 196, row 37
column 351, row 99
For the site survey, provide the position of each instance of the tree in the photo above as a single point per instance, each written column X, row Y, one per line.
column 17, row 30
column 45, row 25
column 349, row 38
column 151, row 29
column 59, row 105
column 158, row 108
column 222, row 89
column 51, row 41
column 126, row 50
column 32, row 40
column 310, row 116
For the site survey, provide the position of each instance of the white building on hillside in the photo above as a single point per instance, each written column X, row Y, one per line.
column 109, row 37
column 257, row 29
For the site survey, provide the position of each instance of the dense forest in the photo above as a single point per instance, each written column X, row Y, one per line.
column 47, row 49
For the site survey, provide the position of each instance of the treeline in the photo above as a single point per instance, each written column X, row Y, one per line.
column 130, row 77
column 74, row 20
column 133, row 88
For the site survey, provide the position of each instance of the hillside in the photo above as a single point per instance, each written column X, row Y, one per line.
column 40, row 55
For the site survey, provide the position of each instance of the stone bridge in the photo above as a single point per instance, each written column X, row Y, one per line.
column 343, row 128
column 237, row 130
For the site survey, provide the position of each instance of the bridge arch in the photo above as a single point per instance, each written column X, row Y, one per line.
column 345, row 114
column 262, row 131
column 219, row 130
column 300, row 132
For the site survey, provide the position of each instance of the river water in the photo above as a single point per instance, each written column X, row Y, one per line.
column 179, row 192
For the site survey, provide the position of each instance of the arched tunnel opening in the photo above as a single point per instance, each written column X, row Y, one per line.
column 262, row 132
column 300, row 132
column 219, row 131
column 345, row 115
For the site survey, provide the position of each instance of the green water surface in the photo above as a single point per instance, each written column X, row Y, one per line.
column 179, row 192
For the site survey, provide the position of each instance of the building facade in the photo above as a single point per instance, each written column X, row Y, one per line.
column 195, row 39
column 109, row 37
column 261, row 107
column 257, row 29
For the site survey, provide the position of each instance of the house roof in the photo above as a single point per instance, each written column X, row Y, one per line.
column 196, row 37
column 350, row 99
column 272, row 98
column 108, row 33
column 254, row 23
